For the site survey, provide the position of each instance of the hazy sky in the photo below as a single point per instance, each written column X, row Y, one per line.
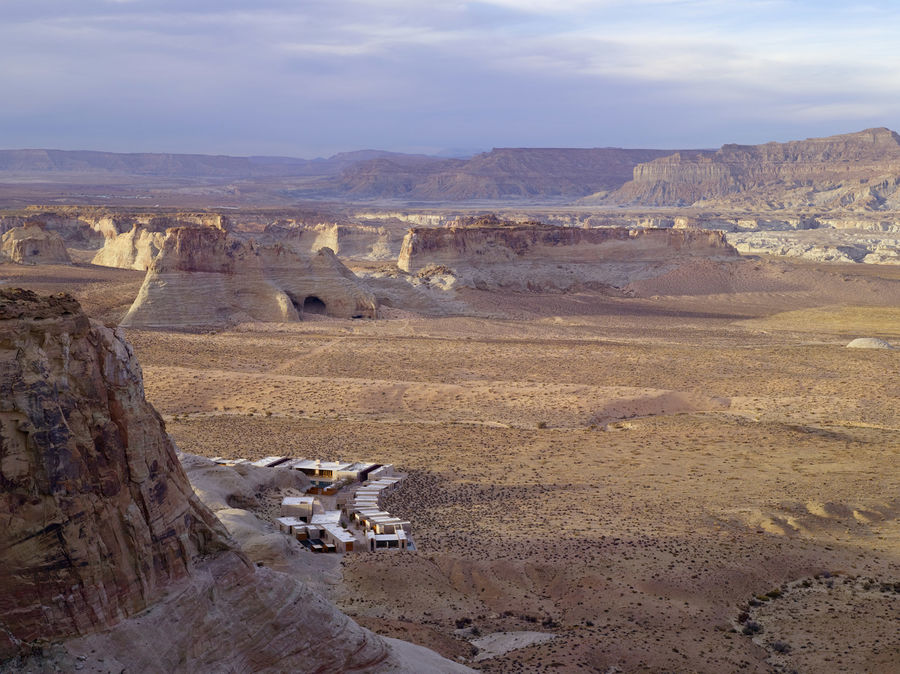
column 314, row 77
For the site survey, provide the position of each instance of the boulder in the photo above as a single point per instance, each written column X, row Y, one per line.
column 869, row 343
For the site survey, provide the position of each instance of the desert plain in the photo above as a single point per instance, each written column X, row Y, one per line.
column 694, row 476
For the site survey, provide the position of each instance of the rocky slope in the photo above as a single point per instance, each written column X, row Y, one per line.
column 204, row 277
column 489, row 253
column 856, row 171
column 106, row 552
column 33, row 244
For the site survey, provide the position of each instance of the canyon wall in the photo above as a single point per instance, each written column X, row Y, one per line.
column 349, row 241
column 204, row 277
column 490, row 254
column 857, row 171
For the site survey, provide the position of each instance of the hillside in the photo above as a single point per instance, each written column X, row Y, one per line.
column 502, row 173
column 169, row 165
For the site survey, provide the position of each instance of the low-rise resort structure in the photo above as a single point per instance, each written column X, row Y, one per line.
column 343, row 510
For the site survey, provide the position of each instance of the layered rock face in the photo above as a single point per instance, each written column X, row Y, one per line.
column 98, row 518
column 358, row 242
column 33, row 244
column 135, row 249
column 489, row 253
column 104, row 547
column 205, row 277
column 854, row 171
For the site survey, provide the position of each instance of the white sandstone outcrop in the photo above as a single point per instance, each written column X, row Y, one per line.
column 204, row 277
column 489, row 254
column 33, row 244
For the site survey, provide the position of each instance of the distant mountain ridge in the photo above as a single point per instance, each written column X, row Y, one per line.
column 502, row 173
column 171, row 165
column 855, row 171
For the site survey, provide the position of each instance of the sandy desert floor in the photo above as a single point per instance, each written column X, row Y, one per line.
column 664, row 482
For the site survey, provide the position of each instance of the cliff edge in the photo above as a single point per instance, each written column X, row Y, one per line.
column 488, row 253
column 108, row 560
column 855, row 171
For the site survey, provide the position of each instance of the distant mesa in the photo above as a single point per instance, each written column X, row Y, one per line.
column 869, row 343
column 501, row 174
column 33, row 244
column 205, row 277
column 856, row 171
column 488, row 253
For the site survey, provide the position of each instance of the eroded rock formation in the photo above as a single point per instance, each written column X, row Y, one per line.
column 105, row 549
column 204, row 277
column 360, row 242
column 488, row 253
column 856, row 171
column 135, row 249
column 33, row 244
column 98, row 518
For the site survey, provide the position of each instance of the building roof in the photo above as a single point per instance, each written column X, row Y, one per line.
column 263, row 463
column 328, row 517
column 290, row 521
column 316, row 464
column 293, row 463
column 359, row 466
column 298, row 500
column 339, row 533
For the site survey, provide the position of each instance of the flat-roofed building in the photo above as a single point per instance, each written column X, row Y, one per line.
column 298, row 506
column 396, row 541
column 342, row 539
column 356, row 471
column 286, row 523
column 271, row 461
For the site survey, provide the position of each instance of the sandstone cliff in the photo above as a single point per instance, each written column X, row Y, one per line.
column 491, row 254
column 349, row 241
column 135, row 249
column 204, row 277
column 105, row 551
column 33, row 244
column 858, row 171
column 98, row 517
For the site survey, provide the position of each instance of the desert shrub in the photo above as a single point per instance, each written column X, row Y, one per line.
column 752, row 627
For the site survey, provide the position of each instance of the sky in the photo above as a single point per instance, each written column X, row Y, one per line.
column 310, row 78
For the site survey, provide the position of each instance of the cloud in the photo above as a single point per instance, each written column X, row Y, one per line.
column 305, row 77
